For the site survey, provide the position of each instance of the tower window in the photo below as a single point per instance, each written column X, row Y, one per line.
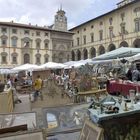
column 37, row 33
column 4, row 30
column 14, row 31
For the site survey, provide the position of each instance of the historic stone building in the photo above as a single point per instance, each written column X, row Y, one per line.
column 20, row 43
column 119, row 27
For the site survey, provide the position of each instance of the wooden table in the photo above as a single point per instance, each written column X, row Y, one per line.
column 92, row 92
column 118, row 125
column 122, row 87
column 82, row 96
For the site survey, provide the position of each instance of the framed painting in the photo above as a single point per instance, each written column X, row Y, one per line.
column 90, row 131
column 25, row 135
column 64, row 118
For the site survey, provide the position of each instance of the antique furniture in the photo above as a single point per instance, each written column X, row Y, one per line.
column 6, row 101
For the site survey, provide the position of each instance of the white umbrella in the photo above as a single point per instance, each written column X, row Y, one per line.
column 25, row 67
column 6, row 71
column 52, row 65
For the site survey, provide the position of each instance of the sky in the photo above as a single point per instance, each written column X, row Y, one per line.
column 42, row 12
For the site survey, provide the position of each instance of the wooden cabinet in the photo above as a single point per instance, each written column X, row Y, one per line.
column 6, row 101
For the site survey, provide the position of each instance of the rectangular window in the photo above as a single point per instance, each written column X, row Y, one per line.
column 14, row 42
column 37, row 44
column 4, row 42
column 3, row 59
column 92, row 26
column 92, row 37
column 72, row 43
column 38, row 60
column 101, row 35
column 26, row 32
column 46, row 45
column 46, row 59
column 14, row 31
column 46, row 34
column 111, row 33
column 78, row 41
column 84, row 37
column 14, row 59
column 4, row 30
column 137, row 25
column 37, row 33
column 26, row 44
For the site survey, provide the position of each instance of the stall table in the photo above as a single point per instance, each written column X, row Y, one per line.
column 94, row 92
column 122, row 87
column 123, row 125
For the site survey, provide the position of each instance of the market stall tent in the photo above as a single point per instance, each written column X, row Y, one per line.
column 25, row 67
column 134, row 58
column 52, row 65
column 118, row 53
column 77, row 64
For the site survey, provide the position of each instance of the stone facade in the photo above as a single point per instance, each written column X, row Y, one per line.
column 119, row 27
column 20, row 43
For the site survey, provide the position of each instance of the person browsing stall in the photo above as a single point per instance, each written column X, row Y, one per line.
column 38, row 86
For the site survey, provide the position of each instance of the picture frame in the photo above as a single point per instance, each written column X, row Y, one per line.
column 91, row 131
column 24, row 135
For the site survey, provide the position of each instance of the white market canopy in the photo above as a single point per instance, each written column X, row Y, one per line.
column 25, row 67
column 52, row 65
column 134, row 58
column 118, row 53
column 6, row 71
column 77, row 64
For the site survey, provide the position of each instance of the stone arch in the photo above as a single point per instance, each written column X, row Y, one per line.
column 101, row 50
column 4, row 53
column 62, row 47
column 72, row 55
column 92, row 52
column 111, row 47
column 136, row 43
column 14, row 37
column 4, row 37
column 26, row 58
column 85, row 54
column 14, row 54
column 38, row 40
column 78, row 55
column 123, row 44
column 46, row 40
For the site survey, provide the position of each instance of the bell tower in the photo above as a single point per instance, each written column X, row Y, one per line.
column 60, row 22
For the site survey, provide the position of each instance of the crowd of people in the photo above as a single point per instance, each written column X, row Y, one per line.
column 66, row 78
column 133, row 74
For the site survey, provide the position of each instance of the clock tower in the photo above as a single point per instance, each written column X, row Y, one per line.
column 60, row 22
